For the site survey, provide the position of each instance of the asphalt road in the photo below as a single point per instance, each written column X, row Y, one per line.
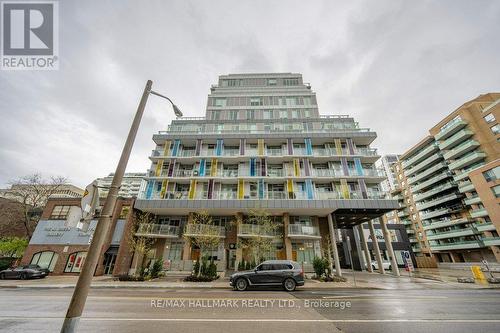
column 264, row 310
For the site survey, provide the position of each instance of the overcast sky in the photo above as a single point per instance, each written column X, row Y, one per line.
column 398, row 67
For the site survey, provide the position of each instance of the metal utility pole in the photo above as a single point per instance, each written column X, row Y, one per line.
column 82, row 287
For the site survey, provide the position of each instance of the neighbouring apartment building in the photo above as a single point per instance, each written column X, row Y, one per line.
column 63, row 250
column 449, row 189
column 261, row 145
column 131, row 184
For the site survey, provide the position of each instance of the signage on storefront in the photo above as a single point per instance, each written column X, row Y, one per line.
column 408, row 262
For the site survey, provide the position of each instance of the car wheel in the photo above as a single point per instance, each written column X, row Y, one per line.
column 390, row 267
column 289, row 284
column 23, row 276
column 2, row 276
column 241, row 284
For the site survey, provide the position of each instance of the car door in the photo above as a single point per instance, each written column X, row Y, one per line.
column 261, row 274
column 279, row 273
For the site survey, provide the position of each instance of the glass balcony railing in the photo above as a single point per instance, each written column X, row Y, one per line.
column 467, row 160
column 257, row 230
column 461, row 245
column 306, row 231
column 481, row 212
column 158, row 230
column 455, row 139
column 424, row 153
column 183, row 173
column 204, row 229
column 450, row 128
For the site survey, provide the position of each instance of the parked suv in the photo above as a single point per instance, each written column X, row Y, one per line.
column 286, row 273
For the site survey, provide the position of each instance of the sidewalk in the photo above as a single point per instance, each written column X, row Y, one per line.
column 422, row 279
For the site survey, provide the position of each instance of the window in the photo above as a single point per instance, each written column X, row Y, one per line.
column 295, row 114
column 250, row 114
column 283, row 114
column 231, row 83
column 75, row 262
column 271, row 82
column 496, row 191
column 59, row 212
column 496, row 129
column 268, row 114
column 45, row 259
column 256, row 101
column 233, row 114
column 220, row 102
column 489, row 118
column 291, row 82
column 492, row 174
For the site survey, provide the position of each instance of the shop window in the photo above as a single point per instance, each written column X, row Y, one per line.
column 75, row 262
column 45, row 259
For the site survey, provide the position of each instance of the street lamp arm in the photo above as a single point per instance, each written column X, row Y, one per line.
column 177, row 111
column 158, row 94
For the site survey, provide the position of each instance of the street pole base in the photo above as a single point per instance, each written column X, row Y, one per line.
column 70, row 325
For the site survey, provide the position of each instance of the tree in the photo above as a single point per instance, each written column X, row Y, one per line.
column 32, row 191
column 260, row 241
column 202, row 232
column 12, row 247
column 141, row 245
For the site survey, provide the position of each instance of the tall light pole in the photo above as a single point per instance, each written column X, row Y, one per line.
column 82, row 287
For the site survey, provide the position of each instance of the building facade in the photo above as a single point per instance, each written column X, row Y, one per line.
column 63, row 250
column 131, row 184
column 261, row 145
column 440, row 180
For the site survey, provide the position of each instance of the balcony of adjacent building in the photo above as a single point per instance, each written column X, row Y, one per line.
column 403, row 213
column 193, row 230
column 491, row 241
column 461, row 149
column 456, row 245
column 440, row 211
column 446, row 222
column 453, row 233
column 472, row 200
column 424, row 164
column 158, row 230
column 440, row 177
column 435, row 190
column 462, row 174
column 478, row 212
column 465, row 186
column 420, row 156
column 427, row 173
column 455, row 139
column 467, row 160
column 422, row 205
column 451, row 128
column 247, row 230
column 486, row 226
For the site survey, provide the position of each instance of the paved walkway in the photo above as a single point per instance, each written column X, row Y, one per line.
column 422, row 279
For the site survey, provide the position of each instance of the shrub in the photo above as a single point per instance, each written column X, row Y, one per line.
column 157, row 268
column 196, row 267
column 6, row 263
column 320, row 266
column 241, row 265
column 194, row 278
column 204, row 267
column 130, row 278
column 212, row 270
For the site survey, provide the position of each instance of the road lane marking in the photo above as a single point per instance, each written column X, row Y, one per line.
column 245, row 320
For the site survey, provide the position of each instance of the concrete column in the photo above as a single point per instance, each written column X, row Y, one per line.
column 334, row 245
column 362, row 239
column 376, row 249
column 388, row 246
column 186, row 250
column 286, row 240
column 239, row 251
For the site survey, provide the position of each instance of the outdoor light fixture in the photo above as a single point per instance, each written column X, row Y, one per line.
column 177, row 111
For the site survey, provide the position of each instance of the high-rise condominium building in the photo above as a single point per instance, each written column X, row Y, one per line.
column 262, row 145
column 450, row 189
column 387, row 163
column 131, row 184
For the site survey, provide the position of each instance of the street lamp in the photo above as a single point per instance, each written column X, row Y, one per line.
column 82, row 287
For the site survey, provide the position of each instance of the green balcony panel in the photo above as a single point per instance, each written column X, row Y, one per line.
column 422, row 165
column 465, row 147
column 472, row 200
column 430, row 182
column 465, row 187
column 476, row 213
column 433, row 191
column 445, row 223
column 423, row 154
column 451, row 129
column 456, row 139
column 457, row 246
column 484, row 227
column 427, row 173
column 437, row 201
column 491, row 241
column 451, row 234
column 467, row 160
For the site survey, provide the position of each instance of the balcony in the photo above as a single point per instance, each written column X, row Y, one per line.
column 431, row 181
column 437, row 201
column 445, row 223
column 158, row 230
column 420, row 156
column 466, row 186
column 413, row 240
column 183, row 173
column 422, row 165
column 439, row 212
column 275, row 172
column 254, row 230
column 192, row 229
column 435, row 190
column 481, row 227
column 467, row 160
column 450, row 129
column 230, row 173
column 464, row 173
column 225, row 195
column 403, row 212
column 177, row 195
column 473, row 244
column 465, row 147
column 426, row 173
column 326, row 173
column 406, row 222
column 491, row 241
column 231, row 152
column 472, row 200
column 416, row 249
column 187, row 153
column 274, row 152
column 277, row 195
column 481, row 212
column 366, row 152
column 451, row 234
column 455, row 139
column 299, row 231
